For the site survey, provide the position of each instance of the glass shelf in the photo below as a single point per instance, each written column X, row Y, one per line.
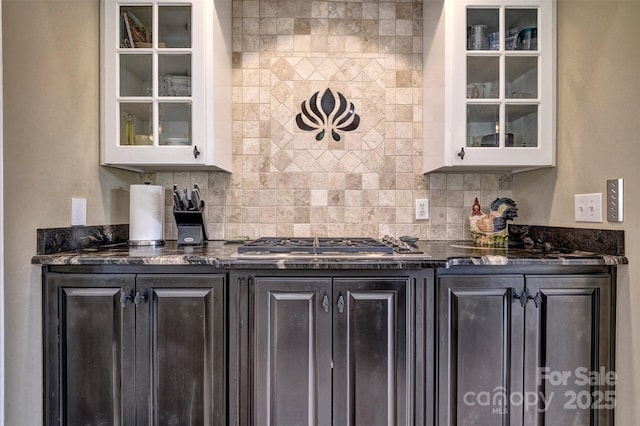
column 174, row 26
column 483, row 77
column 521, row 29
column 521, row 75
column 135, row 27
column 136, row 123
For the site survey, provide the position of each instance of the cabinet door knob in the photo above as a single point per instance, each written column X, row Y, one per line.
column 195, row 152
column 525, row 296
column 139, row 298
column 125, row 297
column 461, row 153
column 325, row 303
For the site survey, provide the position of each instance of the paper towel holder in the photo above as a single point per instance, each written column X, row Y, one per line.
column 146, row 211
column 191, row 228
column 155, row 243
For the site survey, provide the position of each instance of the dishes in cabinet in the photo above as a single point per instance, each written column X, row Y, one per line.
column 175, row 85
column 143, row 140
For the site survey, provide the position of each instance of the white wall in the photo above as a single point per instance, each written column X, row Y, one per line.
column 598, row 139
column 51, row 116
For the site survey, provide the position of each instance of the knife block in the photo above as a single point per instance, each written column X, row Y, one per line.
column 192, row 230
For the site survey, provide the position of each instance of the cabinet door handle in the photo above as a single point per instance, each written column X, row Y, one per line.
column 537, row 299
column 325, row 303
column 525, row 296
column 522, row 297
column 195, row 151
column 340, row 303
column 139, row 298
column 461, row 153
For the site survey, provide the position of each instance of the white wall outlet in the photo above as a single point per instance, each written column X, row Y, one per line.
column 588, row 207
column 422, row 208
column 78, row 211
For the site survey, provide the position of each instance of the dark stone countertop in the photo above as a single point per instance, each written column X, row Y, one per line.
column 438, row 254
column 101, row 245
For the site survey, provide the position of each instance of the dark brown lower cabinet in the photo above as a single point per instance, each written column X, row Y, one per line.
column 466, row 345
column 335, row 349
column 525, row 349
column 127, row 349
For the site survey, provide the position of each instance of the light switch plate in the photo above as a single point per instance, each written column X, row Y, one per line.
column 588, row 207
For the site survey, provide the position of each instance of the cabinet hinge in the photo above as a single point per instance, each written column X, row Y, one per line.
column 525, row 296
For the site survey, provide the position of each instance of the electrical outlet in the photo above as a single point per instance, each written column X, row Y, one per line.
column 588, row 207
column 422, row 208
column 614, row 200
column 78, row 211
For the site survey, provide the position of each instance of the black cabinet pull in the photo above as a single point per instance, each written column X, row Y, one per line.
column 461, row 153
column 537, row 299
column 524, row 298
column 340, row 303
column 195, row 152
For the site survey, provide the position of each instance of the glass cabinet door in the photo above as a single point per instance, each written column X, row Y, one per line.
column 502, row 64
column 155, row 70
column 499, row 85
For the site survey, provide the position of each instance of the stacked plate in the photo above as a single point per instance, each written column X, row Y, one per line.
column 175, row 85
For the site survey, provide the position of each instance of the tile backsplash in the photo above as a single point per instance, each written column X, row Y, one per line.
column 363, row 181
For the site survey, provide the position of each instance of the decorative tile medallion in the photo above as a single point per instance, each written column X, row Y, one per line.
column 328, row 114
column 333, row 115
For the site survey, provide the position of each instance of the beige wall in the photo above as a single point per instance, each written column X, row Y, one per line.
column 51, row 130
column 598, row 139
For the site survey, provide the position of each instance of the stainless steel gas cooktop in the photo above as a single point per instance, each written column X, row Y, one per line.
column 327, row 247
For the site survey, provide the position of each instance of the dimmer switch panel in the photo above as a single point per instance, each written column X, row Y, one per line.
column 614, row 200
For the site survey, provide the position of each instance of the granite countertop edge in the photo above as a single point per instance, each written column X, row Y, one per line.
column 442, row 254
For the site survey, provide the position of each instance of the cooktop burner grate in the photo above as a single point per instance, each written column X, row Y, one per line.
column 279, row 245
column 320, row 245
column 352, row 245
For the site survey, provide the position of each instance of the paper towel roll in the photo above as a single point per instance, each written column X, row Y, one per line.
column 146, row 215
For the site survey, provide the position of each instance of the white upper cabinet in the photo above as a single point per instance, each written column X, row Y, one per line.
column 166, row 84
column 499, row 86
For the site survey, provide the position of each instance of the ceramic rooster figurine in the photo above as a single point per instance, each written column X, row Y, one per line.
column 490, row 229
